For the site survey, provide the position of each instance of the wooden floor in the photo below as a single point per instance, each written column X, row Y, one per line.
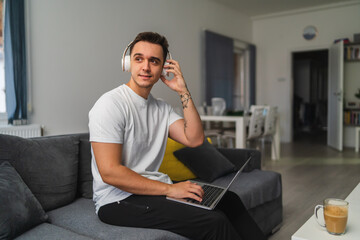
column 311, row 171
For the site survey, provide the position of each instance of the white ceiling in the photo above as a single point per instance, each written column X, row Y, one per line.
column 254, row 8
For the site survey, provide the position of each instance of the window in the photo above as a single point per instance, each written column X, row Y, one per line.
column 229, row 71
column 219, row 68
column 239, row 98
column 14, row 56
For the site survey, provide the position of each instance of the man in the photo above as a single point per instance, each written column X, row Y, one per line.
column 128, row 134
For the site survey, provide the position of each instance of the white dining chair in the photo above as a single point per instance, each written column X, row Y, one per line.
column 270, row 120
column 254, row 128
column 270, row 126
column 256, row 122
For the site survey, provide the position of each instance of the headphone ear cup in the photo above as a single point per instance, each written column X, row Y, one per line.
column 164, row 73
column 126, row 63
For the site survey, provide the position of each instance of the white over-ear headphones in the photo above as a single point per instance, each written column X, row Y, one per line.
column 126, row 61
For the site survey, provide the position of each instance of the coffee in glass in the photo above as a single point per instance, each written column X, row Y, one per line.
column 335, row 215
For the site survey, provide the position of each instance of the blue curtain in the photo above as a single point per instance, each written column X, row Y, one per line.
column 252, row 74
column 15, row 60
column 219, row 67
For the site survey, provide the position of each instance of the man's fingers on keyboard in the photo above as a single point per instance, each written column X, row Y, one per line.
column 199, row 193
column 197, row 190
column 196, row 197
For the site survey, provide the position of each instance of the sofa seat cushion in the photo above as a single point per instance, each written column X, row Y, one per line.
column 49, row 231
column 80, row 217
column 268, row 216
column 254, row 188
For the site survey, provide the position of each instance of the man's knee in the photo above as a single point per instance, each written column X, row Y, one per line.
column 220, row 227
column 217, row 217
column 218, row 220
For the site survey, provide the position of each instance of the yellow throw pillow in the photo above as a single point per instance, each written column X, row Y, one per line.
column 176, row 170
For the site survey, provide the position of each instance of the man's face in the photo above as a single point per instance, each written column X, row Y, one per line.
column 146, row 63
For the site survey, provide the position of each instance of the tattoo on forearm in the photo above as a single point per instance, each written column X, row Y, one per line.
column 185, row 124
column 185, row 98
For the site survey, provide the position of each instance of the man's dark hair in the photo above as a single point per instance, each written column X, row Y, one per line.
column 152, row 37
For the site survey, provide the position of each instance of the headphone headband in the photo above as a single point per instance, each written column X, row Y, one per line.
column 126, row 59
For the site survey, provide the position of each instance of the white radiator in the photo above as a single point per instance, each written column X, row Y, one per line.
column 25, row 131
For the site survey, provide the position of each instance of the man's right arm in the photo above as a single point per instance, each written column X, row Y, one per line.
column 108, row 160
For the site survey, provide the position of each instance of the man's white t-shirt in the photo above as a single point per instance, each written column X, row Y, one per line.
column 141, row 125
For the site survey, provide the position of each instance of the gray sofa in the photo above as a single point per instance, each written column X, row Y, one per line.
column 56, row 201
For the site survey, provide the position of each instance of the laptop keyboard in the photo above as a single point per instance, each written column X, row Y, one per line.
column 210, row 194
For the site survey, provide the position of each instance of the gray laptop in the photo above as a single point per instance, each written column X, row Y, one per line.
column 212, row 193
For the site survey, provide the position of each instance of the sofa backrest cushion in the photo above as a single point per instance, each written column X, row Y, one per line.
column 19, row 209
column 205, row 161
column 85, row 181
column 239, row 156
column 170, row 165
column 48, row 166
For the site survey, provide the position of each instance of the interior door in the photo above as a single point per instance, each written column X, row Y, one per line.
column 335, row 97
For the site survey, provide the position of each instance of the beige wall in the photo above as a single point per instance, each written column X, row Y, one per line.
column 75, row 49
column 277, row 37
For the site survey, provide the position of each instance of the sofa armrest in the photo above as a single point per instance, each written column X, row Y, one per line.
column 239, row 156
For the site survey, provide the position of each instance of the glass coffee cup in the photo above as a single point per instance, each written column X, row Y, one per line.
column 335, row 215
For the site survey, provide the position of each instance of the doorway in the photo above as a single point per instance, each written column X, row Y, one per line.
column 310, row 95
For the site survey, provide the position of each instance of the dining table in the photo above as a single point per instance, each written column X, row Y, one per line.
column 241, row 122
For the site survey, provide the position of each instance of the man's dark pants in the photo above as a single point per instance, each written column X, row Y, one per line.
column 229, row 220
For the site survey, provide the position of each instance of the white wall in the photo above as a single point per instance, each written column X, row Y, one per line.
column 76, row 47
column 277, row 36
